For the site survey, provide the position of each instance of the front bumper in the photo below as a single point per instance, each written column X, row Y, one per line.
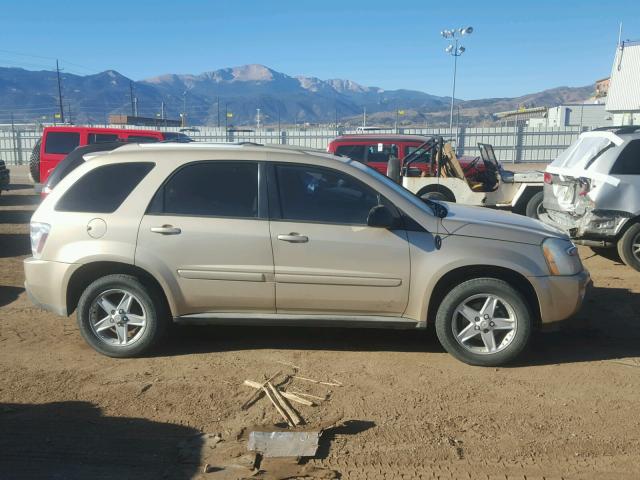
column 46, row 283
column 559, row 296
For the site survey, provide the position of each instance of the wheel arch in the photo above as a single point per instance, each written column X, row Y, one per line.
column 437, row 188
column 523, row 195
column 461, row 274
column 90, row 272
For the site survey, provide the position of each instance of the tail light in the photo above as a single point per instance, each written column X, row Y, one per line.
column 548, row 178
column 39, row 234
column 46, row 190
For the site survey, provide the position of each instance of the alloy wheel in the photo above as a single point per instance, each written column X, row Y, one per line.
column 484, row 324
column 118, row 317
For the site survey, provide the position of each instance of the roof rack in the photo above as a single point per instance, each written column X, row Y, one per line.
column 618, row 129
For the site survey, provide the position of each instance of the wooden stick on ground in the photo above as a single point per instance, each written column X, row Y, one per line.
column 285, row 405
column 288, row 395
column 255, row 394
column 315, row 397
column 336, row 384
column 279, row 408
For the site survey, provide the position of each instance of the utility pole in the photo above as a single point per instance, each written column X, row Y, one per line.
column 279, row 129
column 257, row 119
column 218, row 105
column 364, row 116
column 15, row 143
column 162, row 110
column 60, row 93
column 226, row 117
column 69, row 112
column 184, row 109
column 133, row 107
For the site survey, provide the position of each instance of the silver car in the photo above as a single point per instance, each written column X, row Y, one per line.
column 244, row 234
column 592, row 192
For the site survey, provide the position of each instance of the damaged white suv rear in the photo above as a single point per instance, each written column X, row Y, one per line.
column 592, row 192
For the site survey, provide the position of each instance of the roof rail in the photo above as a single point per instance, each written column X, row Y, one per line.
column 618, row 129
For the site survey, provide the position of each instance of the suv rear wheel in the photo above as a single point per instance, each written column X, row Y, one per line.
column 629, row 246
column 120, row 317
column 484, row 322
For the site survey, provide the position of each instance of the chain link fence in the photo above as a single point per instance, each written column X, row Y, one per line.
column 517, row 144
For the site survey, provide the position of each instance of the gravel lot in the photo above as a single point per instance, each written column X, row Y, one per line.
column 409, row 410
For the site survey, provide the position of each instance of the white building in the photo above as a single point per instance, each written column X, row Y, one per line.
column 623, row 98
column 587, row 115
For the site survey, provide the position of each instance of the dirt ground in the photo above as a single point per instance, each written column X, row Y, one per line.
column 570, row 409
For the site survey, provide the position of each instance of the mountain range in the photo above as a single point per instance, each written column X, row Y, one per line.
column 234, row 95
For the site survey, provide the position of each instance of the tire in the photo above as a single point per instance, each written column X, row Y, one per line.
column 147, row 310
column 534, row 205
column 630, row 238
column 508, row 344
column 608, row 253
column 436, row 192
column 34, row 163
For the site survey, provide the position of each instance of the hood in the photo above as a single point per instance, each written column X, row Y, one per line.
column 484, row 222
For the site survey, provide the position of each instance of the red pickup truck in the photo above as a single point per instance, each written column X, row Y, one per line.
column 57, row 142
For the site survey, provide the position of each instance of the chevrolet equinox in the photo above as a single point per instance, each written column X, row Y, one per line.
column 147, row 234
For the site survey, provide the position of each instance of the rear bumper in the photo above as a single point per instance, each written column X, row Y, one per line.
column 597, row 228
column 560, row 297
column 46, row 283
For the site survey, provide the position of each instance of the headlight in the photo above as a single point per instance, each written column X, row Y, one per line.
column 39, row 234
column 561, row 256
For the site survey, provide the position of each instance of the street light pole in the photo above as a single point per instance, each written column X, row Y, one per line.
column 453, row 89
column 455, row 50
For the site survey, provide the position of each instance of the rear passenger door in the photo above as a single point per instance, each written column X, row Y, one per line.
column 206, row 230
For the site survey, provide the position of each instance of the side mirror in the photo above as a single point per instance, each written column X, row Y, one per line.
column 381, row 217
column 393, row 168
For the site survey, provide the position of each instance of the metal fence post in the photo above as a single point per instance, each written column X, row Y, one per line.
column 18, row 147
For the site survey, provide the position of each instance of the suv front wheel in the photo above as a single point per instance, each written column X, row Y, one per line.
column 120, row 317
column 484, row 321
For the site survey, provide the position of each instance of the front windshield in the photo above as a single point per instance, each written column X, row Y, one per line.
column 582, row 152
column 393, row 185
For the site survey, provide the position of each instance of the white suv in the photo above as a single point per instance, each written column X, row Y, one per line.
column 246, row 234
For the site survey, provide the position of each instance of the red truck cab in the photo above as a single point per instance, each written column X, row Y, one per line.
column 375, row 149
column 57, row 142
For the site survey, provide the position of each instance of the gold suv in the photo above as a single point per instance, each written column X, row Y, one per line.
column 247, row 234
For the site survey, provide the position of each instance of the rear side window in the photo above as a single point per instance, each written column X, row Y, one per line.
column 61, row 142
column 102, row 137
column 103, row 189
column 212, row 189
column 628, row 163
column 354, row 152
column 380, row 153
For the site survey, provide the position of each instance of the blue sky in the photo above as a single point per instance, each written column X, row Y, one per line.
column 517, row 47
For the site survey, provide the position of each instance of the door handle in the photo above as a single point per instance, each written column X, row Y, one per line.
column 166, row 230
column 293, row 238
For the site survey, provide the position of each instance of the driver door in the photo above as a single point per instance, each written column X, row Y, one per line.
column 326, row 258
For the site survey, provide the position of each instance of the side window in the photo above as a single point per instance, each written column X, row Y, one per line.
column 102, row 137
column 61, row 142
column 216, row 189
column 380, row 152
column 628, row 163
column 354, row 152
column 103, row 189
column 314, row 194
